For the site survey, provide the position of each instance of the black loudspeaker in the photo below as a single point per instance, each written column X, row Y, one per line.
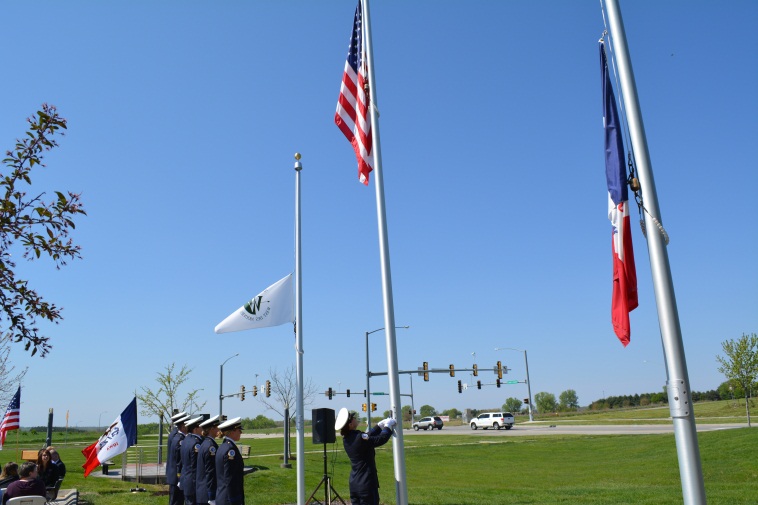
column 323, row 426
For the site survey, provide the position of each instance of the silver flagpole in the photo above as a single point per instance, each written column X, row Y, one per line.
column 299, row 422
column 678, row 385
column 401, row 487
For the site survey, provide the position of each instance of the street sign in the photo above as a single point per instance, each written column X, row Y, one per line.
column 378, row 394
column 512, row 382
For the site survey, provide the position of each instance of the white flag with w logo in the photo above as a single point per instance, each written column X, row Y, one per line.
column 272, row 307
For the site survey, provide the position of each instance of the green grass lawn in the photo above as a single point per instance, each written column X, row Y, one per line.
column 460, row 469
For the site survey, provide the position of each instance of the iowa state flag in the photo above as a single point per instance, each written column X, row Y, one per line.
column 121, row 434
column 624, row 273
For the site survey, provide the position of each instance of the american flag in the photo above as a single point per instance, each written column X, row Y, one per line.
column 352, row 116
column 11, row 418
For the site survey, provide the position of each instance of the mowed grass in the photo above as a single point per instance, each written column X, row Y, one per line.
column 460, row 469
column 724, row 411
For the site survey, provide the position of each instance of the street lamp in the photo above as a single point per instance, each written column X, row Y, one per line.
column 368, row 376
column 528, row 382
column 99, row 418
column 221, row 386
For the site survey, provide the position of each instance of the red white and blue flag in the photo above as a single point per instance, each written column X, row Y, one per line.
column 12, row 417
column 352, row 116
column 119, row 436
column 624, row 272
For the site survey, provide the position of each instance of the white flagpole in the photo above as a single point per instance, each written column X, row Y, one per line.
column 678, row 386
column 401, row 487
column 299, row 422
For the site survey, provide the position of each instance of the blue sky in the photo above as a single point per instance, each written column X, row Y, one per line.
column 183, row 121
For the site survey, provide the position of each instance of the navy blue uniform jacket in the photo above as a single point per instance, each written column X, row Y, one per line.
column 173, row 461
column 189, row 451
column 360, row 450
column 229, row 474
column 206, row 471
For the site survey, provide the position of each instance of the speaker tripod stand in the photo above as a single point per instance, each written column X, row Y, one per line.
column 326, row 481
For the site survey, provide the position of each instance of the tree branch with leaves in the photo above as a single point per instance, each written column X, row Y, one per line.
column 38, row 227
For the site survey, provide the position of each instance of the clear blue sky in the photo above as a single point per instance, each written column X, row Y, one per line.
column 183, row 121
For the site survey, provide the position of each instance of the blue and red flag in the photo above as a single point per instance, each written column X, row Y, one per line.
column 352, row 116
column 119, row 436
column 624, row 272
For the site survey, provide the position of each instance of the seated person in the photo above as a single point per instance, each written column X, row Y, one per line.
column 28, row 484
column 9, row 474
column 47, row 471
column 55, row 459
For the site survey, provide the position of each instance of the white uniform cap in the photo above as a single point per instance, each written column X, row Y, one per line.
column 230, row 424
column 213, row 421
column 342, row 418
column 178, row 416
column 193, row 422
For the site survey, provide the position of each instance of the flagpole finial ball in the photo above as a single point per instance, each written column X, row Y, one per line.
column 297, row 156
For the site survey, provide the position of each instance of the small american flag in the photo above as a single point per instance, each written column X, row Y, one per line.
column 352, row 116
column 11, row 418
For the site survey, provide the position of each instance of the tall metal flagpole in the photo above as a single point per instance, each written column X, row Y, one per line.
column 401, row 487
column 678, row 386
column 299, row 422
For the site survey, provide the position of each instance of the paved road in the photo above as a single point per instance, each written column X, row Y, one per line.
column 535, row 429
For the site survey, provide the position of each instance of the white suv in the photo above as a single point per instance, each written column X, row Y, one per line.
column 495, row 420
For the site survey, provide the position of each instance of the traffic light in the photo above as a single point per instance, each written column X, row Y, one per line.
column 363, row 407
column 329, row 393
column 268, row 389
column 364, row 393
column 426, row 371
column 255, row 390
column 478, row 384
column 460, row 387
column 476, row 370
column 242, row 393
column 497, row 382
column 526, row 401
column 452, row 371
column 373, row 407
column 348, row 393
column 499, row 370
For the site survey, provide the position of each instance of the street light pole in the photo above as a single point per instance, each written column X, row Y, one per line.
column 221, row 386
column 528, row 382
column 368, row 377
column 99, row 418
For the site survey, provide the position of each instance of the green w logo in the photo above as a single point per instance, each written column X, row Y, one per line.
column 254, row 305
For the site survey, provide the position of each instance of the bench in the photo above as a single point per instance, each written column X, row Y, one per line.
column 105, row 465
column 244, row 450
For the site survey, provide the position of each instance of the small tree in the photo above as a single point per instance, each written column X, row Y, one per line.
column 545, row 402
column 163, row 401
column 452, row 413
column 34, row 226
column 427, row 410
column 512, row 405
column 740, row 365
column 569, row 400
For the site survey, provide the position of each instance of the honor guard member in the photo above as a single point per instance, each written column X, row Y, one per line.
column 175, row 428
column 206, row 463
column 173, row 463
column 229, row 466
column 189, row 451
column 359, row 446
